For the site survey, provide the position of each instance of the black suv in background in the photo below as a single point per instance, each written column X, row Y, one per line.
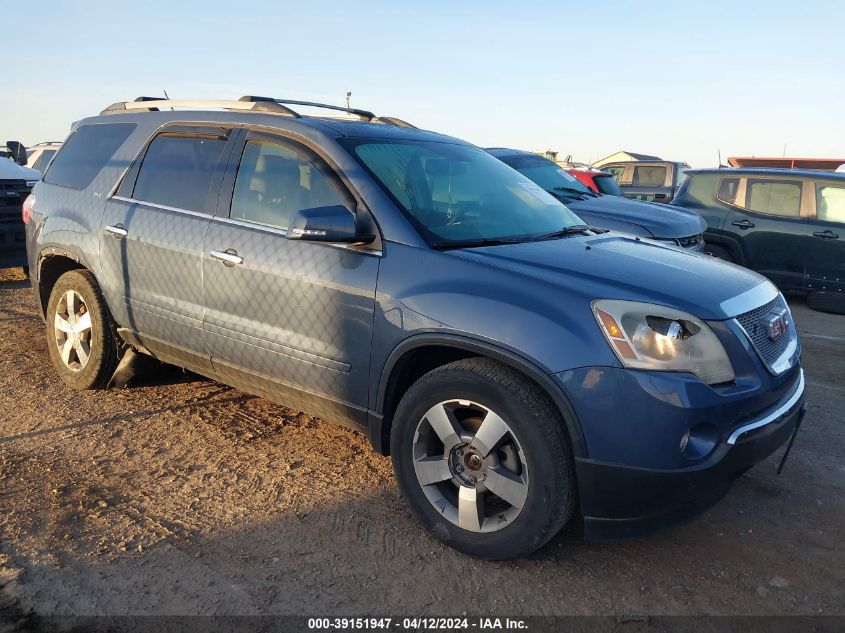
column 652, row 181
column 788, row 224
column 657, row 221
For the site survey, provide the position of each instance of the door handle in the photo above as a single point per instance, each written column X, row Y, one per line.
column 229, row 257
column 660, row 196
column 744, row 224
column 827, row 235
column 117, row 230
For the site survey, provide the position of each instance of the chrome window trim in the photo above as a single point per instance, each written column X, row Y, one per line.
column 283, row 233
column 163, row 207
column 774, row 415
column 757, row 296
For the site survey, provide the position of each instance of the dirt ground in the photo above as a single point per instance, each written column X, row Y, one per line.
column 178, row 495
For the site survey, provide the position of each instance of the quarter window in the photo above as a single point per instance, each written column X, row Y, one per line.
column 830, row 203
column 85, row 153
column 650, row 175
column 177, row 171
column 774, row 197
column 275, row 180
column 727, row 190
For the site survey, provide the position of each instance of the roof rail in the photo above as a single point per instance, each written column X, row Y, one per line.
column 247, row 103
column 154, row 104
column 363, row 114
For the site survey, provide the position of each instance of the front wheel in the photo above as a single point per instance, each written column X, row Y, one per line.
column 80, row 339
column 483, row 458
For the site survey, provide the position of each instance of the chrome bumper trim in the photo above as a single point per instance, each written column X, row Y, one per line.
column 774, row 415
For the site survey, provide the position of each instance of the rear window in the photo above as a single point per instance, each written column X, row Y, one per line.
column 178, row 171
column 85, row 153
column 650, row 175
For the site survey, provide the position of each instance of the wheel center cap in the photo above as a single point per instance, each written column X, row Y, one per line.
column 473, row 461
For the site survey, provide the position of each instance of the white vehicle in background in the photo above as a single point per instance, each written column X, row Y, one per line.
column 841, row 169
column 39, row 156
column 16, row 181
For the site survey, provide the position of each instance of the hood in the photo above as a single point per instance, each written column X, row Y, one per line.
column 616, row 266
column 660, row 220
column 10, row 170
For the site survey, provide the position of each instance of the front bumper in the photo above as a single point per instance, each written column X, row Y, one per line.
column 620, row 501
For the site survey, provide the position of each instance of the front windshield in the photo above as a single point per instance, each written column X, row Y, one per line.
column 544, row 172
column 459, row 193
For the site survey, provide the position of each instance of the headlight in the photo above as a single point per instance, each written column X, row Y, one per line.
column 646, row 336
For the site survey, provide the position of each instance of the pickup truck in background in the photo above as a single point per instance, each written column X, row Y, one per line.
column 16, row 182
column 651, row 181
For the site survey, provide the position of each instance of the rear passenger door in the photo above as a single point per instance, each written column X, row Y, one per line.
column 826, row 259
column 152, row 234
column 286, row 318
column 769, row 217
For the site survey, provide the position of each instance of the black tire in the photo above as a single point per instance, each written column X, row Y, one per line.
column 102, row 344
column 719, row 252
column 542, row 439
column 833, row 302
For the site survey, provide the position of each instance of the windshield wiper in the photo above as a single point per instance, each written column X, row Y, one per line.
column 580, row 192
column 483, row 241
column 575, row 229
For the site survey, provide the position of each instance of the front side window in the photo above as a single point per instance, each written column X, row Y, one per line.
column 774, row 197
column 830, row 202
column 649, row 175
column 85, row 153
column 275, row 180
column 178, row 170
column 458, row 193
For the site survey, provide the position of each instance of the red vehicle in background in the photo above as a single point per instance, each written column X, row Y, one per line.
column 599, row 181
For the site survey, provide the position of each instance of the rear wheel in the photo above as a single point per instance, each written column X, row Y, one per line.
column 719, row 252
column 80, row 336
column 483, row 459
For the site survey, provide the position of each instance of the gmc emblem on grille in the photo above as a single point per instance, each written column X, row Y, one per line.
column 775, row 323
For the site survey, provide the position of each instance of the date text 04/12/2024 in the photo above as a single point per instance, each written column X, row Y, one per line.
column 417, row 624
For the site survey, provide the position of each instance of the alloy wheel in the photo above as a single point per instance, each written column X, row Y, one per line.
column 72, row 330
column 470, row 465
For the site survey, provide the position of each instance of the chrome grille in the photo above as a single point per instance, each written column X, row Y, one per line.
column 693, row 242
column 771, row 352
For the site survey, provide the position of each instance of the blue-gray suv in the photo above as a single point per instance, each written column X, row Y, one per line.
column 520, row 367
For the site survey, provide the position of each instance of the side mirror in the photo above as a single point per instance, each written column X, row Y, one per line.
column 17, row 152
column 327, row 224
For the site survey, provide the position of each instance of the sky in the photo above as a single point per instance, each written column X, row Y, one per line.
column 682, row 80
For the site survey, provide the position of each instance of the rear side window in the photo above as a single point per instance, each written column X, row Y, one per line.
column 178, row 170
column 830, row 203
column 85, row 153
column 650, row 175
column 775, row 197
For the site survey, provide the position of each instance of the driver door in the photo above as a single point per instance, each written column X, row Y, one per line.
column 289, row 319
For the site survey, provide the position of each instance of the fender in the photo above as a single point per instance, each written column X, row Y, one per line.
column 728, row 241
column 481, row 348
